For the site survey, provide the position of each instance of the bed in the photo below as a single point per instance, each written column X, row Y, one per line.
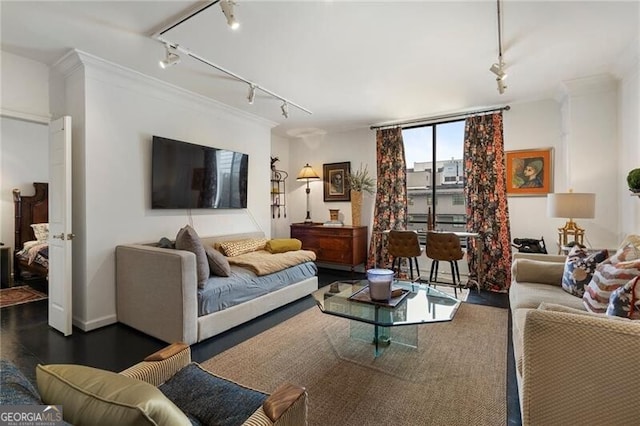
column 31, row 254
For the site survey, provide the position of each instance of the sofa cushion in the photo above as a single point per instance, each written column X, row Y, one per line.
column 579, row 268
column 283, row 245
column 238, row 247
column 607, row 278
column 537, row 271
column 218, row 264
column 625, row 301
column 97, row 397
column 187, row 239
column 530, row 295
column 214, row 400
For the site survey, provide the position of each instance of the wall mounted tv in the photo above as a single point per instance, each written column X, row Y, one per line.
column 189, row 176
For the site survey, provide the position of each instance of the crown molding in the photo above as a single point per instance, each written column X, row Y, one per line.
column 600, row 83
column 26, row 116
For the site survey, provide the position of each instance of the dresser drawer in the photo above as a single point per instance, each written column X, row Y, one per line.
column 345, row 245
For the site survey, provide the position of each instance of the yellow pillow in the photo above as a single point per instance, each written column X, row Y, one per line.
column 98, row 397
column 283, row 245
column 238, row 247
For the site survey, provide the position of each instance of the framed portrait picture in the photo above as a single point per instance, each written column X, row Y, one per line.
column 529, row 172
column 334, row 176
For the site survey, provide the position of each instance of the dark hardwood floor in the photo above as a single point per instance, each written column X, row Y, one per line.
column 26, row 339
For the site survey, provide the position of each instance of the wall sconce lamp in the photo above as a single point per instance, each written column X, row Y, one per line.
column 571, row 205
column 307, row 174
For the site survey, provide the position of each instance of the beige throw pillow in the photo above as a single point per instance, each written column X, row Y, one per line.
column 188, row 239
column 536, row 271
column 97, row 397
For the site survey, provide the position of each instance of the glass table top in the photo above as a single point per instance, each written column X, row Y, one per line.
column 418, row 304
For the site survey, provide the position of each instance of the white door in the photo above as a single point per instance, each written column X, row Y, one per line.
column 60, row 234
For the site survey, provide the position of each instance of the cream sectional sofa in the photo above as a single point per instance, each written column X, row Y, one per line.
column 573, row 367
column 157, row 293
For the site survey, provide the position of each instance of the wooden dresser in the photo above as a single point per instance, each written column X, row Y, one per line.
column 343, row 245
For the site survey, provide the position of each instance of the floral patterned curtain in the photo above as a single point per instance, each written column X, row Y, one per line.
column 486, row 201
column 390, row 210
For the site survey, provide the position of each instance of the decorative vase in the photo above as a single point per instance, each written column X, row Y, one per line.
column 333, row 214
column 356, row 208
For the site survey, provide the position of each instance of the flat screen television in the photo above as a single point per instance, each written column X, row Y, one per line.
column 190, row 176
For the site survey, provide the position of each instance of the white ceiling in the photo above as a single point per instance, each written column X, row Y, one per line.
column 352, row 63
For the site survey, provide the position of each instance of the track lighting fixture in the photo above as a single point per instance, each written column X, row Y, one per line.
column 252, row 93
column 498, row 67
column 173, row 48
column 171, row 57
column 227, row 8
column 501, row 85
column 498, row 70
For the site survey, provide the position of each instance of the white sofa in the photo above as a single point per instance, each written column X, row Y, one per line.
column 573, row 367
column 156, row 293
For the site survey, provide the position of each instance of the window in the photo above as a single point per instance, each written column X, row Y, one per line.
column 436, row 147
column 458, row 199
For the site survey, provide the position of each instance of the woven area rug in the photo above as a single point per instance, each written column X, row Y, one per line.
column 18, row 295
column 456, row 376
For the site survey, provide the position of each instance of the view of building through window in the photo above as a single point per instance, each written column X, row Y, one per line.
column 435, row 176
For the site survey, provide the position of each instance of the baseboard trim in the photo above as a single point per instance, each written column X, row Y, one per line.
column 96, row 323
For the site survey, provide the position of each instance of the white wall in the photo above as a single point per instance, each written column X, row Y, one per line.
column 24, row 159
column 628, row 70
column 24, row 148
column 591, row 142
column 25, row 88
column 357, row 146
column 534, row 125
column 122, row 111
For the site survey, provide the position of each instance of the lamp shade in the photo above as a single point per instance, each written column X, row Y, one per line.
column 307, row 173
column 572, row 205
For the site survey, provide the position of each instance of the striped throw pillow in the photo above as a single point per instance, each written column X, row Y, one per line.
column 610, row 275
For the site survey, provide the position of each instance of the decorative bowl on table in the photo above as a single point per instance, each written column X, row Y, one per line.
column 380, row 281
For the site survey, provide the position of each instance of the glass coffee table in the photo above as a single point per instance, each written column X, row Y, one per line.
column 387, row 322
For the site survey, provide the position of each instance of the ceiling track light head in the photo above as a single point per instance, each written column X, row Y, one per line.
column 227, row 8
column 171, row 57
column 285, row 109
column 252, row 94
column 501, row 85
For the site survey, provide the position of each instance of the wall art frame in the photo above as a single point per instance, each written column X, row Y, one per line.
column 334, row 177
column 529, row 172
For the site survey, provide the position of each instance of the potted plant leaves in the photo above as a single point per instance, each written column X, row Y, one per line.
column 633, row 179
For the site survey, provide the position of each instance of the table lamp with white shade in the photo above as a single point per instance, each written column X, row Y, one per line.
column 306, row 174
column 571, row 205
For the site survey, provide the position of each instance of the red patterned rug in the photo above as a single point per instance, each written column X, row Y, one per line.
column 18, row 295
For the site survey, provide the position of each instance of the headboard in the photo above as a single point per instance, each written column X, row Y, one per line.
column 29, row 210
